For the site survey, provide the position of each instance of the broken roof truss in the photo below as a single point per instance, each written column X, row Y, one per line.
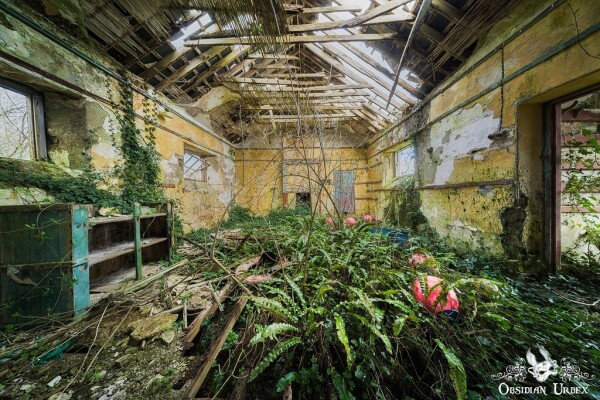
column 334, row 59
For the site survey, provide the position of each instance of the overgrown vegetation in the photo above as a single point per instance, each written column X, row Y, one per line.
column 342, row 320
column 582, row 151
column 64, row 187
column 140, row 172
column 404, row 205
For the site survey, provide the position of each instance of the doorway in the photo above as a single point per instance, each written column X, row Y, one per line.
column 303, row 200
column 572, row 180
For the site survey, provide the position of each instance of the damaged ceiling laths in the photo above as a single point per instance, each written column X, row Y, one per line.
column 299, row 199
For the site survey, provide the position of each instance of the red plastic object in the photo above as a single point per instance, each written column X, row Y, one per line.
column 451, row 302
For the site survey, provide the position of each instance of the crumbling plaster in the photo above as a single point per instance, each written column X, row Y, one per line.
column 81, row 124
column 259, row 171
column 479, row 169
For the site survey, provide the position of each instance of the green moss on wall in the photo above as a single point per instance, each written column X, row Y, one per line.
column 67, row 188
column 404, row 206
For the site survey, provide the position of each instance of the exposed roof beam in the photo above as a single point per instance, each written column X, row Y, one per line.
column 192, row 65
column 315, row 26
column 448, row 10
column 322, row 26
column 272, row 57
column 305, row 75
column 313, row 48
column 276, row 66
column 217, row 66
column 428, row 31
column 324, row 10
column 360, row 37
column 365, row 71
column 373, row 13
column 413, row 31
column 272, row 81
column 171, row 57
column 308, row 106
column 303, row 116
column 341, row 94
column 323, row 88
column 245, row 65
column 369, row 60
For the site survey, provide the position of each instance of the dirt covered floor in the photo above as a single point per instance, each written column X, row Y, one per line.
column 294, row 306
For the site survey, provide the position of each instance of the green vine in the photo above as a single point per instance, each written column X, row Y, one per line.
column 582, row 182
column 404, row 206
column 140, row 172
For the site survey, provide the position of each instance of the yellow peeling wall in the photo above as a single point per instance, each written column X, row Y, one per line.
column 81, row 126
column 479, row 135
column 259, row 174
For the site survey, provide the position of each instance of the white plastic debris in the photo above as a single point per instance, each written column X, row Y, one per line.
column 54, row 381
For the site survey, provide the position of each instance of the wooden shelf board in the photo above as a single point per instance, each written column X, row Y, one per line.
column 121, row 218
column 98, row 256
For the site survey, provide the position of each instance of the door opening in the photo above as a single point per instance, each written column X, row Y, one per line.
column 573, row 180
column 303, row 200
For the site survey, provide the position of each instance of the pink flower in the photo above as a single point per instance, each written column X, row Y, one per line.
column 434, row 288
column 350, row 221
column 329, row 221
column 417, row 259
column 368, row 218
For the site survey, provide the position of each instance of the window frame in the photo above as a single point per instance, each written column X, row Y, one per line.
column 396, row 163
column 203, row 170
column 40, row 151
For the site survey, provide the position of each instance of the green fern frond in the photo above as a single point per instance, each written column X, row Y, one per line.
column 339, row 383
column 376, row 332
column 279, row 349
column 270, row 331
column 340, row 327
column 274, row 307
column 286, row 298
column 457, row 371
column 297, row 291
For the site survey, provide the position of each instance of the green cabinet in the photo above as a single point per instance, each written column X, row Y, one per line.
column 43, row 262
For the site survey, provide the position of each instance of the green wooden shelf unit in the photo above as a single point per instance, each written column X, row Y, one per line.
column 43, row 262
column 51, row 256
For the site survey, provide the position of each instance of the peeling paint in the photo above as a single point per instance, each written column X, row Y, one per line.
column 463, row 133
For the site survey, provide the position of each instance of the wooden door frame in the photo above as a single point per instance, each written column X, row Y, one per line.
column 552, row 169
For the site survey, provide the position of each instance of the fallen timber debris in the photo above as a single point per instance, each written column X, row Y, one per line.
column 212, row 306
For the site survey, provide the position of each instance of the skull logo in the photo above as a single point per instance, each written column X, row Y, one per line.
column 544, row 369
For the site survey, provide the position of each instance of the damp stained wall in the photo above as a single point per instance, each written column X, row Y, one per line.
column 479, row 135
column 263, row 166
column 81, row 125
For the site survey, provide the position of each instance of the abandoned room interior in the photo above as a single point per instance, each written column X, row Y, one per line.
column 299, row 199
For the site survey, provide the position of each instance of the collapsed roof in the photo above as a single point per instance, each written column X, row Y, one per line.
column 326, row 60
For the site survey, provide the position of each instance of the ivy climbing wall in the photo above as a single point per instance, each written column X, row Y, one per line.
column 111, row 140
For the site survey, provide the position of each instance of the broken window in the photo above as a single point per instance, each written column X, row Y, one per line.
column 194, row 167
column 21, row 123
column 404, row 162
